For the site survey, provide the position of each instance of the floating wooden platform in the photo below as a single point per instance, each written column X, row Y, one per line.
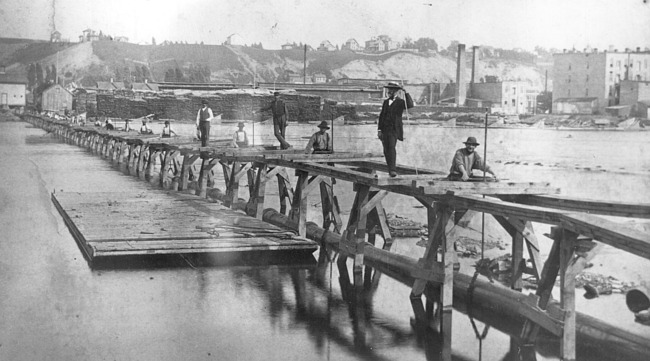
column 106, row 224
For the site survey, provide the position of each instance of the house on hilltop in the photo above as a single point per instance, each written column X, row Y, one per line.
column 88, row 35
column 381, row 43
column 352, row 44
column 325, row 45
column 55, row 37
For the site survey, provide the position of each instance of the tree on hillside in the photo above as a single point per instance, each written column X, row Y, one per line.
column 425, row 44
column 31, row 76
column 53, row 74
column 48, row 75
column 39, row 75
column 153, row 41
column 179, row 75
column 145, row 73
column 170, row 75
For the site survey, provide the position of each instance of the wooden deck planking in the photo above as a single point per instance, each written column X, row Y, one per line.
column 160, row 222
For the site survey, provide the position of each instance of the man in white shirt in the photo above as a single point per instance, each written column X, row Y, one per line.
column 203, row 118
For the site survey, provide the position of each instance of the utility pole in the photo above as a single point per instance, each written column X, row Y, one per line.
column 304, row 66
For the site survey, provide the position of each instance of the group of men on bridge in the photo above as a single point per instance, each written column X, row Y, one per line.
column 390, row 130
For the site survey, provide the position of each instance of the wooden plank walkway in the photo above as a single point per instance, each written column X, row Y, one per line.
column 108, row 224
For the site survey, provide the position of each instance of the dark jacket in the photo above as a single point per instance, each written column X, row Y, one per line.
column 390, row 118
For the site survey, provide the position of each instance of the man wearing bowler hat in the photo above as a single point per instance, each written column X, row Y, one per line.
column 203, row 118
column 320, row 142
column 390, row 123
column 467, row 159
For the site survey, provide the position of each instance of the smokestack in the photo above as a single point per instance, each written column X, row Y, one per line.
column 638, row 49
column 460, row 76
column 474, row 62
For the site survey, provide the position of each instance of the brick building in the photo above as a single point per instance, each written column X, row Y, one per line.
column 594, row 74
column 508, row 97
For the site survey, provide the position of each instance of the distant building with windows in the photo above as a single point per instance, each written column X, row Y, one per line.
column 381, row 43
column 375, row 45
column 325, row 45
column 56, row 99
column 352, row 44
column 55, row 37
column 592, row 79
column 507, row 97
column 319, row 78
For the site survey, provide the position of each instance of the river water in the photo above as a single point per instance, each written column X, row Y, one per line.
column 55, row 307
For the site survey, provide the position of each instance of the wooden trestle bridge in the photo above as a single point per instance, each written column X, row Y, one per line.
column 577, row 223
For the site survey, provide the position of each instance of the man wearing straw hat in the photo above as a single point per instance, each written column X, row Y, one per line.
column 467, row 159
column 390, row 123
column 320, row 142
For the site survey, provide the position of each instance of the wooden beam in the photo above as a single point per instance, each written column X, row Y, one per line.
column 614, row 234
column 608, row 208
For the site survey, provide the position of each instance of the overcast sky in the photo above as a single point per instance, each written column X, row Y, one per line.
column 500, row 23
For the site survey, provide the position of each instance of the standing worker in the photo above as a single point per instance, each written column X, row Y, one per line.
column 240, row 138
column 320, row 142
column 203, row 118
column 280, row 119
column 466, row 159
column 390, row 123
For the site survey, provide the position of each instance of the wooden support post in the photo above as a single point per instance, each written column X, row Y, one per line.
column 151, row 163
column 177, row 165
column 284, row 189
column 522, row 231
column 298, row 212
column 140, row 162
column 256, row 203
column 167, row 162
column 438, row 215
column 568, row 272
column 202, row 185
column 232, row 184
column 545, row 285
column 330, row 207
column 188, row 160
column 131, row 159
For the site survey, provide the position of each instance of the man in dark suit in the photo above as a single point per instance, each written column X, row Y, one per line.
column 390, row 123
column 280, row 119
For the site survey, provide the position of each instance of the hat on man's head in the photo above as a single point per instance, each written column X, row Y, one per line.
column 471, row 140
column 204, row 101
column 392, row 85
column 324, row 125
column 276, row 93
column 240, row 124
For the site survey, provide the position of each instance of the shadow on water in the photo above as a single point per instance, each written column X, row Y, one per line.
column 47, row 138
column 251, row 259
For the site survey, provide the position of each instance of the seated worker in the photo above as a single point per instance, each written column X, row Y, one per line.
column 465, row 160
column 144, row 129
column 127, row 125
column 167, row 130
column 109, row 125
column 240, row 138
column 321, row 142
